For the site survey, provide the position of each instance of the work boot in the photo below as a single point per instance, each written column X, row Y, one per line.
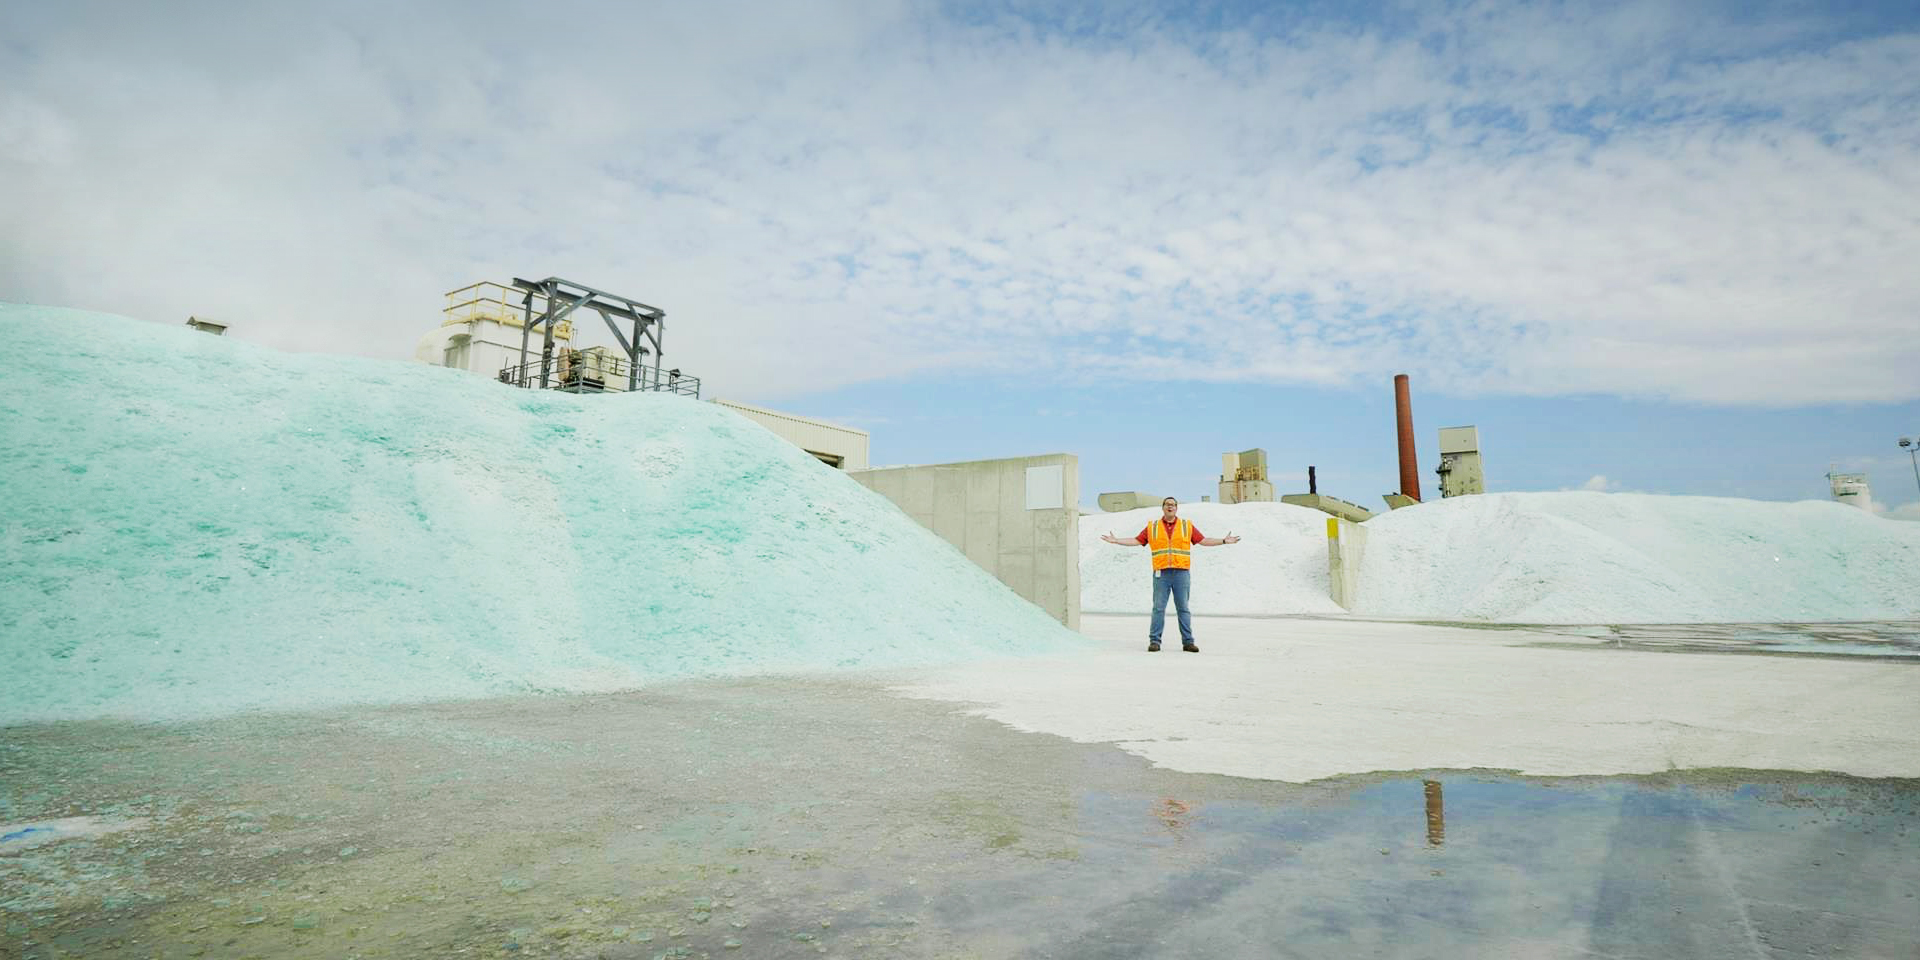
column 1190, row 647
column 1153, row 646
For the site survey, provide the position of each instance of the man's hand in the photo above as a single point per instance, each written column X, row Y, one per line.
column 1116, row 541
column 1229, row 538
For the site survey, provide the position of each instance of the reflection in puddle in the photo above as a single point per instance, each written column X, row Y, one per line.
column 1436, row 813
column 1647, row 867
column 1174, row 814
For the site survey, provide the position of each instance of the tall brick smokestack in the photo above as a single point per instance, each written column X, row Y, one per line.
column 1403, row 410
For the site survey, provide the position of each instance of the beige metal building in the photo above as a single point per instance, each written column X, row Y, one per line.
column 1459, row 470
column 1851, row 489
column 480, row 331
column 836, row 446
column 1243, row 477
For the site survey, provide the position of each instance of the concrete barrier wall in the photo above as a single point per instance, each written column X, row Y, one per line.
column 1017, row 518
column 1346, row 544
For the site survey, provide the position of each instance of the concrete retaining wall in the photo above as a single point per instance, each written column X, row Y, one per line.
column 1017, row 518
column 1346, row 543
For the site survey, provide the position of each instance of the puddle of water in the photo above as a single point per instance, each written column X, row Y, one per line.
column 1880, row 639
column 15, row 837
column 793, row 818
column 1474, row 866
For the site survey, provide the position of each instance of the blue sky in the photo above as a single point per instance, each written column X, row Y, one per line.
column 1644, row 246
column 1166, row 437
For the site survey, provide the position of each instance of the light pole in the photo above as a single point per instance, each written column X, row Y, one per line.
column 1912, row 448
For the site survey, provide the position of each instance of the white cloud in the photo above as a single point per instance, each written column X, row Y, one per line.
column 832, row 194
column 1599, row 483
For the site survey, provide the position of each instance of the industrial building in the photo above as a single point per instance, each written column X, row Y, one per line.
column 1850, row 489
column 1459, row 470
column 843, row 448
column 205, row 325
column 522, row 334
column 480, row 330
column 1243, row 477
column 489, row 328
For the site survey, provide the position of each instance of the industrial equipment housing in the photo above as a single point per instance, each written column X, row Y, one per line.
column 586, row 370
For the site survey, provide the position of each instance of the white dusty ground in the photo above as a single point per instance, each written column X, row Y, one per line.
column 1303, row 699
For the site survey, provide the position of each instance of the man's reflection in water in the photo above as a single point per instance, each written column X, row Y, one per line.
column 1436, row 814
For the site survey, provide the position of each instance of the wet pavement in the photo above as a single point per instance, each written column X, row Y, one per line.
column 1878, row 638
column 809, row 817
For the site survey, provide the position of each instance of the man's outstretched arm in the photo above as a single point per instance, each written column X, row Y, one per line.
column 1116, row 541
column 1217, row 541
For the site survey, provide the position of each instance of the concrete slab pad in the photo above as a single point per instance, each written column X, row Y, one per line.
column 1301, row 699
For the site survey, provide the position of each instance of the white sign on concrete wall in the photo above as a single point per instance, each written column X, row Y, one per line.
column 1046, row 487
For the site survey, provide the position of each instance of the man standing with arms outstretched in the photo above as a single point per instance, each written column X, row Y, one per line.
column 1172, row 541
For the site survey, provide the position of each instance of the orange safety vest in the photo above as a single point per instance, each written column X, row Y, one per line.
column 1171, row 552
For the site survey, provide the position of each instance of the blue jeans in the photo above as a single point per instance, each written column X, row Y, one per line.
column 1177, row 583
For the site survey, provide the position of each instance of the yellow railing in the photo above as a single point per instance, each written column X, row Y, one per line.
column 500, row 304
